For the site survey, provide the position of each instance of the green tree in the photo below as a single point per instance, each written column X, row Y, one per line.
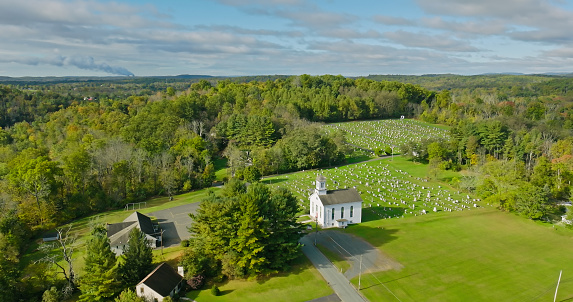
column 129, row 296
column 244, row 234
column 137, row 259
column 532, row 202
column 52, row 295
column 99, row 280
column 251, row 174
column 39, row 178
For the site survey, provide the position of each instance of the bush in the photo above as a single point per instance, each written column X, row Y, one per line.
column 215, row 290
column 378, row 152
column 196, row 282
column 184, row 243
column 388, row 150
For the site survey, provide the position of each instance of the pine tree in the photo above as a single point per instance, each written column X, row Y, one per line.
column 99, row 279
column 138, row 257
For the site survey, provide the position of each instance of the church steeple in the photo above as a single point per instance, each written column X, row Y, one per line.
column 320, row 185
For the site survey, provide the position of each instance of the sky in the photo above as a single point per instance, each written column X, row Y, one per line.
column 288, row 37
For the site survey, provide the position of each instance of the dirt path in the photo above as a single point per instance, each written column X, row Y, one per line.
column 352, row 248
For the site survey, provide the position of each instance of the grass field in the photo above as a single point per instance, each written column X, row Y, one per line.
column 302, row 283
column 380, row 134
column 484, row 255
column 470, row 254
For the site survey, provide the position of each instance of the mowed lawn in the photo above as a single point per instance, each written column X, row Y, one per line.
column 302, row 283
column 482, row 255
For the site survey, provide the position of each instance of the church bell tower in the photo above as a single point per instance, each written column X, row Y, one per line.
column 320, row 185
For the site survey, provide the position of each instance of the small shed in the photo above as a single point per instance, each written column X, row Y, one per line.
column 51, row 236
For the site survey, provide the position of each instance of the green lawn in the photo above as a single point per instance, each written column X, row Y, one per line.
column 471, row 255
column 302, row 283
column 482, row 255
column 220, row 168
column 339, row 262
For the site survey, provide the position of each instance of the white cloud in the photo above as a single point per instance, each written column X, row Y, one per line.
column 391, row 20
column 437, row 42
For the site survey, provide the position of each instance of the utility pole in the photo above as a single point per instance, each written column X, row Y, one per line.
column 360, row 273
column 392, row 153
column 559, row 280
column 315, row 227
column 162, row 230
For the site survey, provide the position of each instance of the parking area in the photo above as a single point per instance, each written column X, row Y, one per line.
column 174, row 222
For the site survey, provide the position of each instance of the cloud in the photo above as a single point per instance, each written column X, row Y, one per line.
column 437, row 42
column 316, row 19
column 523, row 20
column 481, row 27
column 86, row 63
column 260, row 2
column 390, row 20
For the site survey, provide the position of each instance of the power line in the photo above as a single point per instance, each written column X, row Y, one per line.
column 361, row 268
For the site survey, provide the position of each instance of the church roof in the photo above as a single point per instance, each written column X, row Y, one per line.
column 321, row 178
column 340, row 196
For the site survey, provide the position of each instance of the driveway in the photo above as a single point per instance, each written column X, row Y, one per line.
column 174, row 222
column 335, row 279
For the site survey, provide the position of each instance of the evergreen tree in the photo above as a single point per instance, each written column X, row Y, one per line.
column 138, row 258
column 99, row 280
column 244, row 234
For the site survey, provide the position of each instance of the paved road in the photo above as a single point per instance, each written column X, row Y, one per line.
column 175, row 222
column 335, row 279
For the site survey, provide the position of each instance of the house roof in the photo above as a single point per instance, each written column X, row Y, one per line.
column 340, row 196
column 145, row 224
column 118, row 233
column 163, row 279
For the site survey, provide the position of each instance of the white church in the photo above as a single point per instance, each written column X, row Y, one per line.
column 335, row 208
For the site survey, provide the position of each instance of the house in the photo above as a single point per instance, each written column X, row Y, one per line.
column 118, row 233
column 335, row 208
column 163, row 281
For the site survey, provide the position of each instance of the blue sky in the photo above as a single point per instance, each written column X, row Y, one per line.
column 256, row 37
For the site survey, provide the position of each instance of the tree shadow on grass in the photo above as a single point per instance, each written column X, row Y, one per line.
column 382, row 212
column 273, row 181
column 360, row 244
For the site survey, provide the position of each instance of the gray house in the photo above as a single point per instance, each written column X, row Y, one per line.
column 118, row 233
column 163, row 281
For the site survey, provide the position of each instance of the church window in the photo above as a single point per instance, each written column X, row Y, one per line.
column 341, row 212
column 322, row 185
column 332, row 214
column 351, row 211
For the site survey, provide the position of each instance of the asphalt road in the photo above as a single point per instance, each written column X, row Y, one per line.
column 174, row 222
column 335, row 279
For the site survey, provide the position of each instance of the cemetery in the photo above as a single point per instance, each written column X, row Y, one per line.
column 380, row 134
column 387, row 191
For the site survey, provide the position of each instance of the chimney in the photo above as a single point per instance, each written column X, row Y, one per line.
column 180, row 271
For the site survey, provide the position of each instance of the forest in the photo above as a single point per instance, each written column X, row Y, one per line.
column 69, row 149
